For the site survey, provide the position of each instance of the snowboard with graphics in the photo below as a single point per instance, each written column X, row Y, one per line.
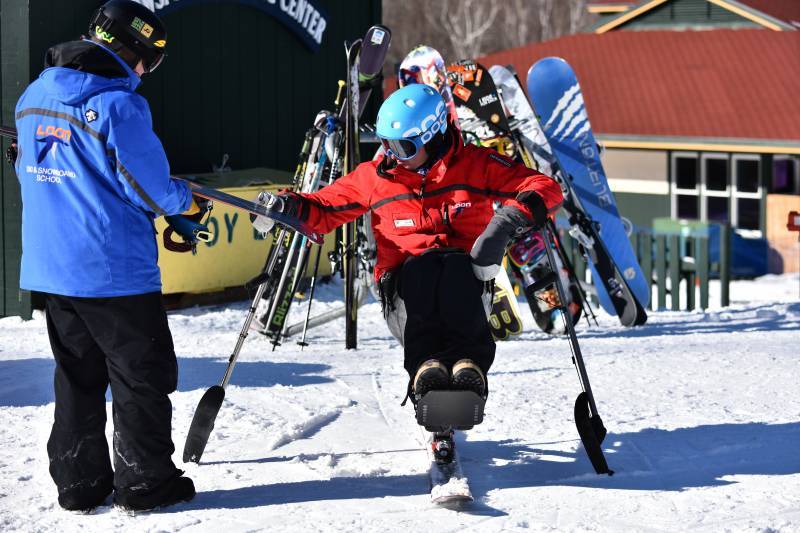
column 528, row 258
column 535, row 150
column 425, row 65
column 480, row 112
column 558, row 102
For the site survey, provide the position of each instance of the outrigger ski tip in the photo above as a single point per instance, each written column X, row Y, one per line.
column 202, row 424
column 592, row 433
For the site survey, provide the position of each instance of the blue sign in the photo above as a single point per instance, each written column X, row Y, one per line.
column 307, row 21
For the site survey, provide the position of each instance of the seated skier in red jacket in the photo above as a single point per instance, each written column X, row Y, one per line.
column 439, row 240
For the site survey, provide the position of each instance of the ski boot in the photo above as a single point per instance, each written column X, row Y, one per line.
column 431, row 375
column 468, row 376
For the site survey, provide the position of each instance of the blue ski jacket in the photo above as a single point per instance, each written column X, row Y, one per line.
column 93, row 176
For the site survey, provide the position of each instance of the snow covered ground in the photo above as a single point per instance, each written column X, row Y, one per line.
column 703, row 413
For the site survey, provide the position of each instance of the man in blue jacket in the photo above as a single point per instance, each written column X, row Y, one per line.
column 93, row 177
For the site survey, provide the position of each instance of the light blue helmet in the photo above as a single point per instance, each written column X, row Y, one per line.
column 409, row 118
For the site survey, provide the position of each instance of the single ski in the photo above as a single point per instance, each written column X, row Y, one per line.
column 449, row 485
column 440, row 413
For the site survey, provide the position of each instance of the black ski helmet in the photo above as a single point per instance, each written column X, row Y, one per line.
column 130, row 24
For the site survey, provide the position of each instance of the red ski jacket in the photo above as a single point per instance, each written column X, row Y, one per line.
column 411, row 213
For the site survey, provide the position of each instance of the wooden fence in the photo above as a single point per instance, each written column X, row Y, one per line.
column 677, row 258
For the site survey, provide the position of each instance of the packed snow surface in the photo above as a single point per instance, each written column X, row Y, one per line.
column 702, row 408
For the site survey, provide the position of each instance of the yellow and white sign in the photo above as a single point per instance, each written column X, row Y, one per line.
column 235, row 255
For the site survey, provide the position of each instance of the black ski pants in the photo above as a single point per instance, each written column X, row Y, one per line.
column 445, row 316
column 123, row 342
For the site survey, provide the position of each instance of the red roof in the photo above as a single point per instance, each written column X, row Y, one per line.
column 715, row 84
column 785, row 10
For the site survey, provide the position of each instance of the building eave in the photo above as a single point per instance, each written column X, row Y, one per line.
column 629, row 15
column 759, row 17
column 733, row 6
column 700, row 144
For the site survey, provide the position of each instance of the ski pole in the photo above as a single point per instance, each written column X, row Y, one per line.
column 587, row 309
column 209, row 405
column 303, row 342
column 589, row 424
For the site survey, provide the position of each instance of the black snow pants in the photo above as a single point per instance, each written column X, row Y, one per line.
column 446, row 319
column 123, row 342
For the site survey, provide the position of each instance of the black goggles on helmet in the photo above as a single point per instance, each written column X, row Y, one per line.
column 152, row 61
column 402, row 149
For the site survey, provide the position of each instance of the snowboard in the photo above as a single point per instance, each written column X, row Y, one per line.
column 505, row 319
column 557, row 99
column 528, row 258
column 480, row 112
column 425, row 65
column 529, row 263
column 523, row 123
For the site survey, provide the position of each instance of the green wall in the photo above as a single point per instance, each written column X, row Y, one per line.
column 235, row 81
column 15, row 72
column 641, row 209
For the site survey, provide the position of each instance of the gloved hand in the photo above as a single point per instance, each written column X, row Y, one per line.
column 270, row 201
column 188, row 225
column 490, row 247
column 198, row 209
column 286, row 202
column 12, row 152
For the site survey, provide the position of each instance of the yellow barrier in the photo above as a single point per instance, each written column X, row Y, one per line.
column 235, row 255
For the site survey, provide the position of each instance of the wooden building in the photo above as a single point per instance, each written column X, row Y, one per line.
column 696, row 104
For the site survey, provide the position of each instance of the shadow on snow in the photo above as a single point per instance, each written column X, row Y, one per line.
column 764, row 318
column 29, row 382
column 651, row 459
column 648, row 460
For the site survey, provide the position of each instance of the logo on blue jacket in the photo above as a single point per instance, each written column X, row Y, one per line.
column 51, row 136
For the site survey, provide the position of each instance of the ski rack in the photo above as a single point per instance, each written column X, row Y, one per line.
column 363, row 74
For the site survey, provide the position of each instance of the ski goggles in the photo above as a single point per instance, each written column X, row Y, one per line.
column 151, row 63
column 402, row 149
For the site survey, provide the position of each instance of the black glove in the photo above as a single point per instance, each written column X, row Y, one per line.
column 535, row 203
column 11, row 153
column 490, row 247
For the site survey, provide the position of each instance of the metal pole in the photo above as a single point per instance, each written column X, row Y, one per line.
column 577, row 357
column 248, row 320
column 303, row 342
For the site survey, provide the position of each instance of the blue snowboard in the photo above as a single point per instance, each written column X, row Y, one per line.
column 557, row 99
